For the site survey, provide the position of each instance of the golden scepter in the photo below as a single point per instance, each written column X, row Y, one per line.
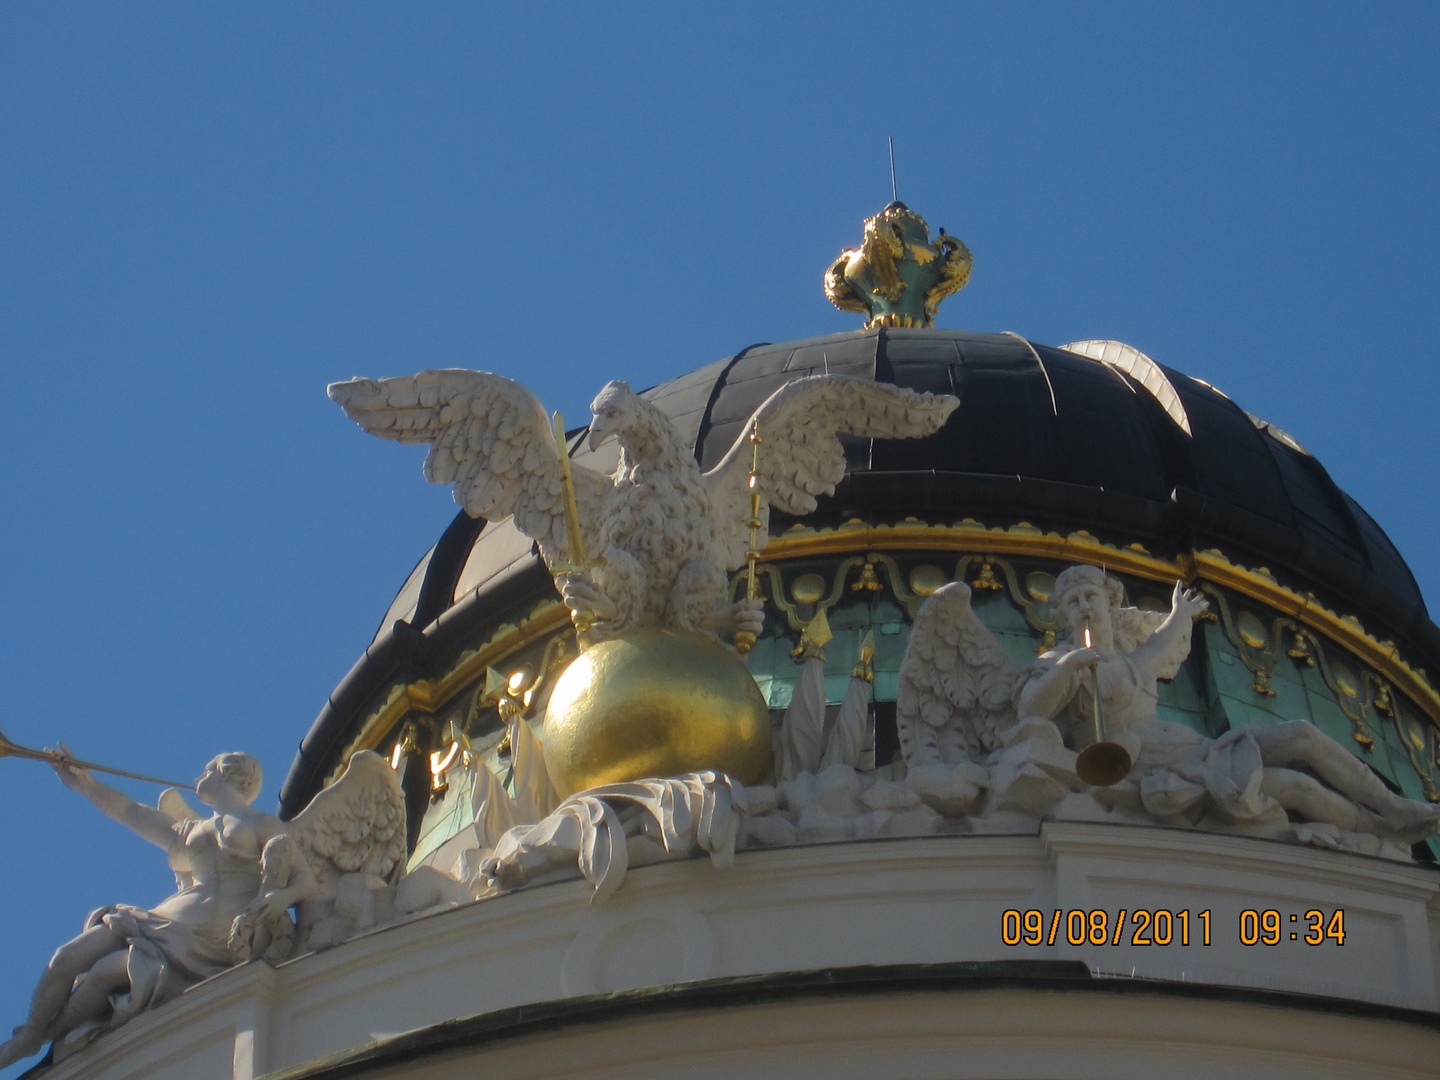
column 56, row 757
column 1102, row 763
column 573, row 538
column 744, row 638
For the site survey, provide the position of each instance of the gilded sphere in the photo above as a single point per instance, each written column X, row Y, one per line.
column 655, row 702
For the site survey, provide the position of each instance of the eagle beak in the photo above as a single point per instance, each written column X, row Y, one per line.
column 599, row 432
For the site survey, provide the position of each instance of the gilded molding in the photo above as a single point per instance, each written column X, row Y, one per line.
column 430, row 695
column 980, row 550
column 1344, row 630
column 1258, row 648
column 968, row 535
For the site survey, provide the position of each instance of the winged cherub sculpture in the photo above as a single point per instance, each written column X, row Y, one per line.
column 664, row 534
column 330, row 862
column 961, row 699
column 340, row 862
column 129, row 959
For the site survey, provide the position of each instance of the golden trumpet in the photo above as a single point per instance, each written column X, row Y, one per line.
column 1102, row 763
column 55, row 757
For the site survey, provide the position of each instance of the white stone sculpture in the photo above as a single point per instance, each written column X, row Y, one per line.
column 956, row 684
column 338, row 863
column 801, row 743
column 851, row 740
column 989, row 746
column 837, row 803
column 809, row 739
column 963, row 703
column 662, row 533
column 129, row 959
column 607, row 829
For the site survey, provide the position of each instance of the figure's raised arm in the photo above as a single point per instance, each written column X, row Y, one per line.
column 1166, row 649
column 146, row 822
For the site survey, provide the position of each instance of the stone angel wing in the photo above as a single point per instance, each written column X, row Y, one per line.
column 352, row 831
column 800, row 456
column 490, row 437
column 355, row 826
column 956, row 684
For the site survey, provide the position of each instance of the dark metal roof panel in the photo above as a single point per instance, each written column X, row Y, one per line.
column 1228, row 457
column 1385, row 560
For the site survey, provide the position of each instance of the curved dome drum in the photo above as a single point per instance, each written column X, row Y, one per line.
column 1053, row 457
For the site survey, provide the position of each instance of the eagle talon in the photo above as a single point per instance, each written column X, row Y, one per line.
column 584, row 600
column 749, row 616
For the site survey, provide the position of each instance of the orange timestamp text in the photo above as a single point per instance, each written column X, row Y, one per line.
column 1096, row 926
column 1158, row 926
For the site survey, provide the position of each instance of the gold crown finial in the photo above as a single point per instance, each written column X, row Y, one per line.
column 897, row 276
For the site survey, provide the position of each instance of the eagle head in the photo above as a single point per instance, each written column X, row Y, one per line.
column 613, row 409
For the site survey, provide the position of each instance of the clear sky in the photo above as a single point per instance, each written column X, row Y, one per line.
column 208, row 211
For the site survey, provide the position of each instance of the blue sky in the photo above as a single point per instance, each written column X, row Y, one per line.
column 208, row 211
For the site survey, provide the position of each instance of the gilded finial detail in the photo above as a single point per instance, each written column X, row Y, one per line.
column 813, row 639
column 864, row 668
column 896, row 276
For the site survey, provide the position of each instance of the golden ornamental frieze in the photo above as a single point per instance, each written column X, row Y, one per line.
column 980, row 560
column 1258, row 645
column 1358, row 694
column 911, row 534
column 809, row 599
column 1210, row 565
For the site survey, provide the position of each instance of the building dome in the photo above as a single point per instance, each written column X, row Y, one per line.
column 1086, row 453
column 873, row 832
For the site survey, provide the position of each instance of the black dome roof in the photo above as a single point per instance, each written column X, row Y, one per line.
column 1042, row 435
column 1061, row 440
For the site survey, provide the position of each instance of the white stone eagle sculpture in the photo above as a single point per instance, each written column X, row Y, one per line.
column 663, row 534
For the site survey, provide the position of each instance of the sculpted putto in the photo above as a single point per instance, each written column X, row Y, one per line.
column 129, row 959
column 663, row 534
column 994, row 744
column 340, row 862
column 962, row 700
column 331, row 863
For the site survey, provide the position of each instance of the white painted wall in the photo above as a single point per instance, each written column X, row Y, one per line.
column 924, row 900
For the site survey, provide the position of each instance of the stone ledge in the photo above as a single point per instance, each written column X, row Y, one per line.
column 918, row 905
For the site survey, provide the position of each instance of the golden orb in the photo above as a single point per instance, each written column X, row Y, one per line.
column 655, row 702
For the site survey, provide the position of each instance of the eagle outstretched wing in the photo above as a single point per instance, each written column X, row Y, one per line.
column 956, row 684
column 800, row 453
column 488, row 436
